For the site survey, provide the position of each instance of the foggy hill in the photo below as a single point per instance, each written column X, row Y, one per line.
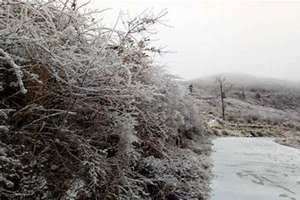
column 250, row 81
column 250, row 91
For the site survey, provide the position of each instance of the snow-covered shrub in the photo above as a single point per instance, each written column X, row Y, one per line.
column 87, row 99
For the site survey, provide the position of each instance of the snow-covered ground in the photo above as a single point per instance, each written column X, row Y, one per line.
column 254, row 168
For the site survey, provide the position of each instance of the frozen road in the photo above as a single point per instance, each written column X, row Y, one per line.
column 254, row 169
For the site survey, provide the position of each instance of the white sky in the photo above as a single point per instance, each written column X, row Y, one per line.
column 258, row 37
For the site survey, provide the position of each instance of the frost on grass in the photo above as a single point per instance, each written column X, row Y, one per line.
column 292, row 139
column 83, row 104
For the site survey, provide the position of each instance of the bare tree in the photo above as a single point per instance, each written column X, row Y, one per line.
column 223, row 86
column 191, row 88
column 243, row 93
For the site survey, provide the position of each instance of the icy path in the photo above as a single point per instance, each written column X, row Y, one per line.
column 254, row 169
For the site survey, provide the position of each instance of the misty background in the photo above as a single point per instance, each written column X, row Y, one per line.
column 206, row 37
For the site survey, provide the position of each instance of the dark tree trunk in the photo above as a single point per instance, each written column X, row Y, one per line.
column 222, row 94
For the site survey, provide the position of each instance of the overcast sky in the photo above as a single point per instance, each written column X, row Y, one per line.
column 258, row 37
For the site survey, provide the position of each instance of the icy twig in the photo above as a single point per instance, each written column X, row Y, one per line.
column 5, row 56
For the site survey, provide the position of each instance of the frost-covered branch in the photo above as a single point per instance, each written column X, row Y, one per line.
column 17, row 69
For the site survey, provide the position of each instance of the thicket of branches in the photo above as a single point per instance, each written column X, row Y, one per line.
column 80, row 103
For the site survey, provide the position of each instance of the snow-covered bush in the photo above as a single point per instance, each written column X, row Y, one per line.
column 84, row 100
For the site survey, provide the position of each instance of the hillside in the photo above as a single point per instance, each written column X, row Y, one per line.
column 253, row 106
